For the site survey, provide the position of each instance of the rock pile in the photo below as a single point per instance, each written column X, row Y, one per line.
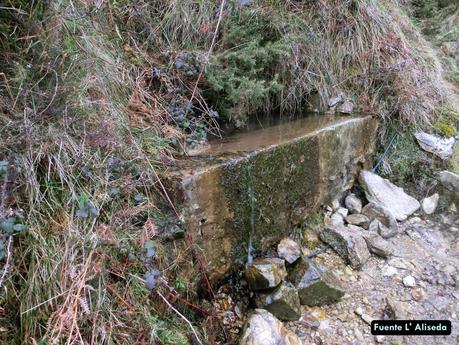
column 356, row 230
column 280, row 286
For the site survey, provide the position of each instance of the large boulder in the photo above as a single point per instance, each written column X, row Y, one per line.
column 283, row 302
column 315, row 286
column 263, row 328
column 384, row 193
column 348, row 243
column 381, row 220
column 450, row 181
column 265, row 273
column 289, row 250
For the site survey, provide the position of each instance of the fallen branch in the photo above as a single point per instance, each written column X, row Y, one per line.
column 179, row 314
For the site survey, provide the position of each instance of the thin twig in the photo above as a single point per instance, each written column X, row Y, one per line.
column 6, row 267
column 179, row 314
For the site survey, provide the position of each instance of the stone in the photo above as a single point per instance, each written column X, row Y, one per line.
column 396, row 309
column 382, row 192
column 335, row 100
column 389, row 271
column 450, row 181
column 359, row 220
column 317, row 287
column 429, row 205
column 418, row 294
column 335, row 205
column 374, row 226
column 336, row 219
column 343, row 212
column 366, row 318
column 265, row 273
column 409, row 281
column 386, row 224
column 348, row 243
column 377, row 245
column 263, row 328
column 353, row 204
column 289, row 250
column 346, row 107
column 283, row 302
column 441, row 147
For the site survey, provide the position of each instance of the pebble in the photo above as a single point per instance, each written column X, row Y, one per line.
column 389, row 271
column 409, row 281
column 418, row 294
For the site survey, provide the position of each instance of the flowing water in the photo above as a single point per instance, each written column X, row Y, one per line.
column 263, row 135
column 252, row 212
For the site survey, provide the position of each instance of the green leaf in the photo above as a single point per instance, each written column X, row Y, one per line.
column 20, row 227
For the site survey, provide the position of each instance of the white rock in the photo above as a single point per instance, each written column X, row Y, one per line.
column 343, row 212
column 429, row 205
column 353, row 204
column 389, row 271
column 450, row 181
column 409, row 281
column 382, row 192
column 346, row 107
column 441, row 147
column 262, row 328
column 288, row 250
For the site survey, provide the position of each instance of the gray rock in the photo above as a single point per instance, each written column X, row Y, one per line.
column 359, row 220
column 336, row 219
column 429, row 205
column 374, row 226
column 396, row 309
column 283, row 303
column 289, row 250
column 450, row 181
column 441, row 147
column 348, row 243
column 377, row 245
column 316, row 286
column 263, row 328
column 343, row 212
column 265, row 273
column 387, row 225
column 353, row 204
column 382, row 192
column 335, row 205
column 346, row 107
column 409, row 281
column 335, row 100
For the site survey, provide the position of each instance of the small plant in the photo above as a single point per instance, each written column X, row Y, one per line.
column 86, row 207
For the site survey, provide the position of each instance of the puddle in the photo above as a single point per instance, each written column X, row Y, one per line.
column 266, row 136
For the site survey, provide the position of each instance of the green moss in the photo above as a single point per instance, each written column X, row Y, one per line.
column 284, row 180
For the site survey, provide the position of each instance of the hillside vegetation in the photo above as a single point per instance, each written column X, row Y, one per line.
column 98, row 96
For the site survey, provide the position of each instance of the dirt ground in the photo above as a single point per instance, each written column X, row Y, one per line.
column 427, row 250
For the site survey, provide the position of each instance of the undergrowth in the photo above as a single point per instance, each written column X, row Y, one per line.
column 98, row 96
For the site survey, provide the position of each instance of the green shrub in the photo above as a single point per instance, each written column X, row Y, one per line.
column 242, row 77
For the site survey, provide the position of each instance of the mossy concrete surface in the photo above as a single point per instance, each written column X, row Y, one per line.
column 259, row 197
